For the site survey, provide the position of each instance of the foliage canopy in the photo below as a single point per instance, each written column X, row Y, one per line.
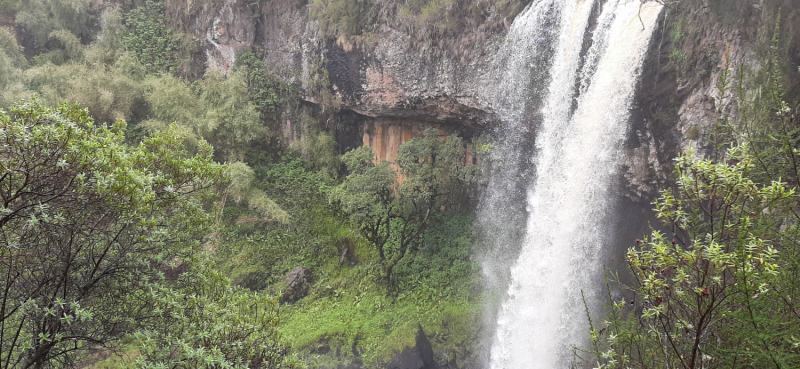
column 88, row 223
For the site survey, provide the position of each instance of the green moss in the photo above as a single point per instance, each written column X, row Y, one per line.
column 422, row 19
column 348, row 307
column 693, row 133
column 359, row 313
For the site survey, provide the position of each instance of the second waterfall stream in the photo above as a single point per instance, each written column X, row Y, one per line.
column 597, row 52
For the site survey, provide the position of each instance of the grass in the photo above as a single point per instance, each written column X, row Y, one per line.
column 350, row 309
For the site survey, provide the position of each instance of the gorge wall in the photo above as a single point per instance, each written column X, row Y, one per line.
column 397, row 85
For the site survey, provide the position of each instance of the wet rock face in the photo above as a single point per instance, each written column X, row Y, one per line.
column 298, row 281
column 396, row 80
column 390, row 77
column 392, row 81
column 223, row 28
column 678, row 101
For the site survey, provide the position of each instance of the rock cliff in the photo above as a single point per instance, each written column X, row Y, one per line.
column 397, row 85
column 679, row 100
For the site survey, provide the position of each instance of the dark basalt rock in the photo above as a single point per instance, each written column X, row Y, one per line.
column 418, row 357
column 298, row 281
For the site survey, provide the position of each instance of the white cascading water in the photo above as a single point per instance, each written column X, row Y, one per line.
column 523, row 67
column 578, row 143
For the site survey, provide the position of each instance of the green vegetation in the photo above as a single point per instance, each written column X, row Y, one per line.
column 142, row 243
column 43, row 17
column 265, row 91
column 8, row 7
column 348, row 308
column 393, row 217
column 723, row 291
column 342, row 17
column 347, row 300
column 88, row 223
column 350, row 21
column 149, row 38
column 218, row 301
column 12, row 61
column 210, row 324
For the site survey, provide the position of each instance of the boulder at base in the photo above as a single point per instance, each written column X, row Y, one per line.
column 298, row 281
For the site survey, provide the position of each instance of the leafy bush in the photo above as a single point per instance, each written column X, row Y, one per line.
column 243, row 189
column 148, row 36
column 291, row 183
column 391, row 216
column 210, row 324
column 442, row 262
column 111, row 87
column 214, row 108
column 88, row 226
column 64, row 47
column 12, row 62
column 8, row 7
column 342, row 17
column 319, row 151
column 265, row 91
column 722, row 290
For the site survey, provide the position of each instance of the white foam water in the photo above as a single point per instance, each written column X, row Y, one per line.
column 578, row 145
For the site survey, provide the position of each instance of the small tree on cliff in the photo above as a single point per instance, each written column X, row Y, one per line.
column 392, row 215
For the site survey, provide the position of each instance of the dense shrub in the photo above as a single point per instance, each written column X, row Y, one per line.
column 42, row 17
column 148, row 37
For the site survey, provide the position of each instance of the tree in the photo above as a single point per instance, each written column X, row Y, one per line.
column 243, row 189
column 221, row 112
column 88, row 224
column 107, row 83
column 150, row 39
column 264, row 90
column 392, row 215
column 367, row 196
column 12, row 62
column 723, row 292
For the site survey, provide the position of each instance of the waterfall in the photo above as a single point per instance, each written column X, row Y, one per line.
column 523, row 68
column 584, row 110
